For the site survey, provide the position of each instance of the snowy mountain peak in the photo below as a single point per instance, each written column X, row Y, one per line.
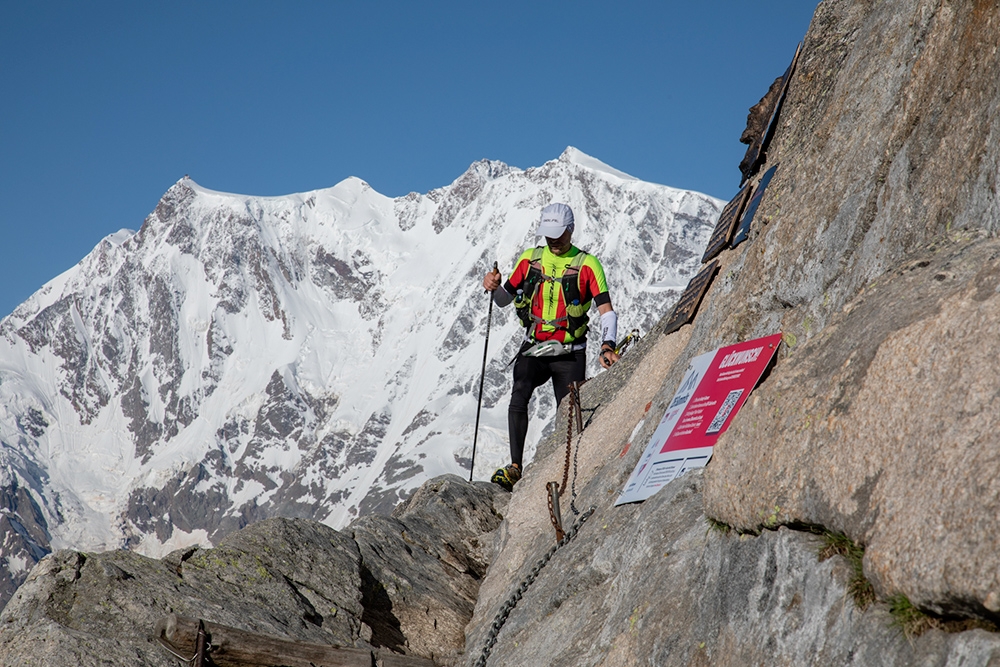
column 312, row 355
column 575, row 156
column 489, row 170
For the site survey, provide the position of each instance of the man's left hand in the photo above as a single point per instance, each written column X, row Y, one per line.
column 608, row 357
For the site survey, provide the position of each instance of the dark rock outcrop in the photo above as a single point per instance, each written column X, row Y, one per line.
column 25, row 535
column 422, row 566
column 407, row 584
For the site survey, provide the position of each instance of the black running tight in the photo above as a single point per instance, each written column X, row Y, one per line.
column 531, row 373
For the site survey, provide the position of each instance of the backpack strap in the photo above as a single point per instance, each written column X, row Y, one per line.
column 573, row 322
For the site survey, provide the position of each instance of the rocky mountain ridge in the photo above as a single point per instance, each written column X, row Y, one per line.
column 874, row 252
column 314, row 355
column 399, row 585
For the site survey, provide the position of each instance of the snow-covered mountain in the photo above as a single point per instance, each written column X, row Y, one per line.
column 312, row 355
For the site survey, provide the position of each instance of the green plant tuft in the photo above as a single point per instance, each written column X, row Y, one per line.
column 718, row 526
column 838, row 544
column 908, row 619
column 913, row 622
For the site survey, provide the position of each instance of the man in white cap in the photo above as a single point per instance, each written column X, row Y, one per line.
column 552, row 288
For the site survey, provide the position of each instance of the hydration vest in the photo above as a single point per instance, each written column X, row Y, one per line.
column 575, row 321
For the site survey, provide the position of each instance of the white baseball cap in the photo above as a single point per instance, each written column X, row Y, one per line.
column 556, row 219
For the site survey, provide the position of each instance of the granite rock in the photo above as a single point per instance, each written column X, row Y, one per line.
column 422, row 566
column 884, row 427
column 287, row 578
column 654, row 584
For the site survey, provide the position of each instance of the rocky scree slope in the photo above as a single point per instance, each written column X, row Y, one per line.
column 875, row 252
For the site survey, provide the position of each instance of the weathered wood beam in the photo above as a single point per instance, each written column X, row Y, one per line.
column 231, row 647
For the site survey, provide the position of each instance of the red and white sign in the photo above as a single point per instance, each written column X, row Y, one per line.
column 714, row 388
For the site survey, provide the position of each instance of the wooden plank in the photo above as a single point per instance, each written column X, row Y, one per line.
column 231, row 647
column 389, row 659
column 726, row 223
column 688, row 303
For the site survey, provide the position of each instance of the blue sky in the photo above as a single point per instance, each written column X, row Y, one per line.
column 106, row 104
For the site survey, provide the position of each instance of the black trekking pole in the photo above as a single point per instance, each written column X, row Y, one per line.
column 482, row 377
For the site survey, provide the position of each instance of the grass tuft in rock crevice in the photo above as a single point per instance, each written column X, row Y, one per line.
column 909, row 619
column 718, row 526
column 838, row 544
column 913, row 622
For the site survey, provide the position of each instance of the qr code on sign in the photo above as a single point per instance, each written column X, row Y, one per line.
column 723, row 413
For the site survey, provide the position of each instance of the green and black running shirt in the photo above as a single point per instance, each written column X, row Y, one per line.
column 550, row 311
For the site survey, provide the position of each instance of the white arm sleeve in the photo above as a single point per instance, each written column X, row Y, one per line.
column 609, row 327
column 502, row 297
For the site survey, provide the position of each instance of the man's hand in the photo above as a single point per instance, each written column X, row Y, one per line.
column 608, row 356
column 491, row 281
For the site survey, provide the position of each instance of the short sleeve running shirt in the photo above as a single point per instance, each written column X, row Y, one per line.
column 548, row 303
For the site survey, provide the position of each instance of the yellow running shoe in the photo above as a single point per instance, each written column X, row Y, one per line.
column 507, row 477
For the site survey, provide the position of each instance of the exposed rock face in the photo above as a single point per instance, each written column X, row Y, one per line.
column 93, row 609
column 424, row 565
column 652, row 584
column 884, row 426
column 874, row 251
column 25, row 535
column 887, row 141
column 877, row 261
column 287, row 578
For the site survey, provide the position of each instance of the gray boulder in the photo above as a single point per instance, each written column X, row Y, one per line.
column 285, row 578
column 422, row 566
column 282, row 577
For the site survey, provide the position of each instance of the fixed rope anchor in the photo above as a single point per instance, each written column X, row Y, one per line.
column 555, row 514
column 203, row 644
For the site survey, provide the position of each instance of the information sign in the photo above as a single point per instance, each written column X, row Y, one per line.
column 714, row 388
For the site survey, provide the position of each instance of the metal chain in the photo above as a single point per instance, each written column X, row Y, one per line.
column 501, row 618
column 574, row 407
column 572, row 497
column 569, row 443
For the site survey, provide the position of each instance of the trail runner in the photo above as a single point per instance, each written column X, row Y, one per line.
column 552, row 287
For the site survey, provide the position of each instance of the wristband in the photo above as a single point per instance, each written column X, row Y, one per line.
column 609, row 328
